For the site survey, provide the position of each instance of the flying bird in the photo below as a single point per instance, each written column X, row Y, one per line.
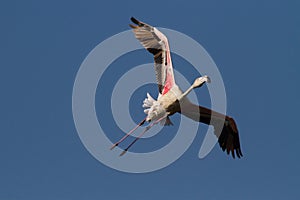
column 172, row 100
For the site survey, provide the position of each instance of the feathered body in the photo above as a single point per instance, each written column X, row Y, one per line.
column 172, row 100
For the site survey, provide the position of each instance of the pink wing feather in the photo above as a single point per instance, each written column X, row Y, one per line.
column 157, row 44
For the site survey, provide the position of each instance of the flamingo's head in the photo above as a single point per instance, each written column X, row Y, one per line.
column 200, row 81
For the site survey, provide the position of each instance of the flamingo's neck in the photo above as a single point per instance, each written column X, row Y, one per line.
column 186, row 93
column 197, row 83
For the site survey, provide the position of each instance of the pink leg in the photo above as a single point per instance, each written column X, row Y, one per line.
column 129, row 133
column 137, row 138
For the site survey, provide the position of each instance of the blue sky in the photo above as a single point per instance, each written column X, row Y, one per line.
column 256, row 46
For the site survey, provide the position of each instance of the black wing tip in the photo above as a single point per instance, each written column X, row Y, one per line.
column 239, row 153
column 223, row 139
column 137, row 22
column 236, row 151
column 134, row 20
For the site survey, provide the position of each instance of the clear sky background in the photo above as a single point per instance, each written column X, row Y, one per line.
column 256, row 46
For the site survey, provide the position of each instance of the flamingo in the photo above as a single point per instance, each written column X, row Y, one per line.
column 172, row 100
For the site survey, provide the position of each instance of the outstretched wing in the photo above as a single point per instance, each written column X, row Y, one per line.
column 229, row 137
column 157, row 44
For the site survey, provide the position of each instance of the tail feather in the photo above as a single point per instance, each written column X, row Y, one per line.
column 166, row 122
